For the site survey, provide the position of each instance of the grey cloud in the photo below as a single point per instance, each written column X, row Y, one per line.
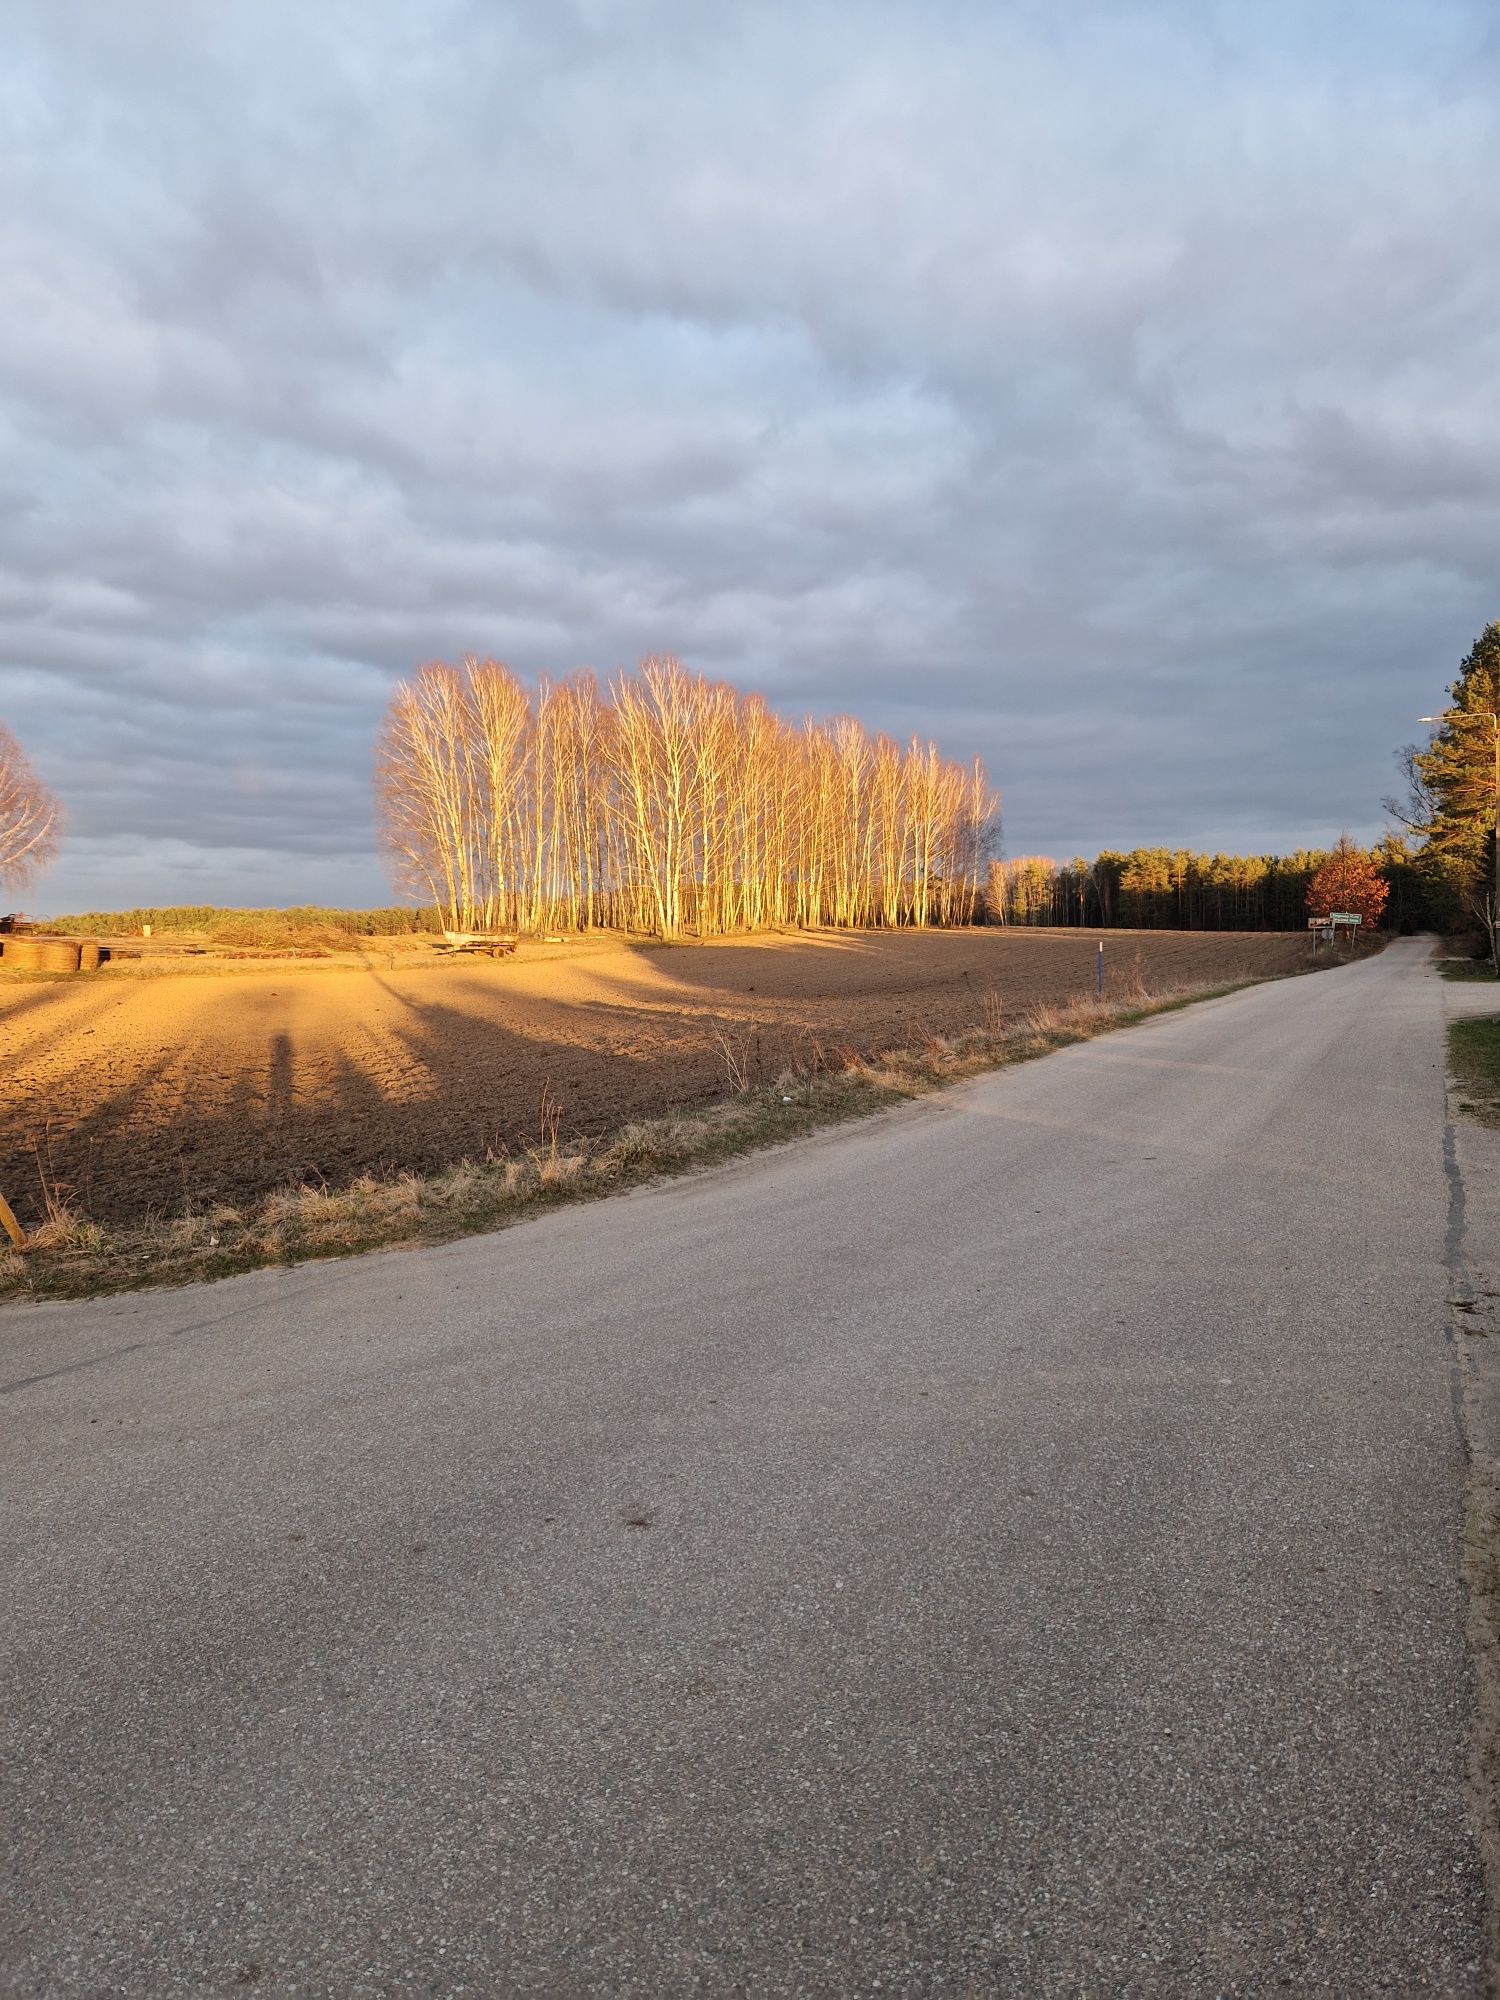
column 1106, row 389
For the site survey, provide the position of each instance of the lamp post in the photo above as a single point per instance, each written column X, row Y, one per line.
column 1488, row 715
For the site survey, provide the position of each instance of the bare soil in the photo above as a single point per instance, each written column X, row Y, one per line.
column 141, row 1092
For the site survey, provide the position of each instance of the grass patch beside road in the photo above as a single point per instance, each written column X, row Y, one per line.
column 1474, row 1058
column 71, row 1256
column 1482, row 1575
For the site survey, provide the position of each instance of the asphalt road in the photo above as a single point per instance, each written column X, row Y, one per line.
column 1010, row 1547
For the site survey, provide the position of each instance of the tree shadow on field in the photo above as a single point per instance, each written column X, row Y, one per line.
column 279, row 1080
column 865, row 992
column 277, row 1092
column 16, row 999
column 774, row 962
column 17, row 1003
column 442, row 1084
column 931, row 965
column 49, row 1159
column 939, row 967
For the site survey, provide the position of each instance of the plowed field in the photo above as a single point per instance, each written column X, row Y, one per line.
column 146, row 1093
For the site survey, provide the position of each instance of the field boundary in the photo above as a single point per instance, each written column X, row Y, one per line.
column 70, row 1256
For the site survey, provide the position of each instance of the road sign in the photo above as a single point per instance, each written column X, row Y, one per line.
column 1345, row 917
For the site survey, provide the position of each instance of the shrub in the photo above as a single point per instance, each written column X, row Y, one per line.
column 252, row 926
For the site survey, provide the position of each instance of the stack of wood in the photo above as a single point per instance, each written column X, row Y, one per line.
column 491, row 944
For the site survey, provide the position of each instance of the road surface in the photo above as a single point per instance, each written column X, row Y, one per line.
column 1010, row 1546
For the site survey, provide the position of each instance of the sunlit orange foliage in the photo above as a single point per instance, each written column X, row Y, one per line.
column 1348, row 880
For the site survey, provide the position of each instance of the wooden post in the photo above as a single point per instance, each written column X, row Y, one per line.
column 10, row 1225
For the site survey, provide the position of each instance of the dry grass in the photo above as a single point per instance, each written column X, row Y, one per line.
column 63, row 1226
column 70, row 1256
column 1474, row 1058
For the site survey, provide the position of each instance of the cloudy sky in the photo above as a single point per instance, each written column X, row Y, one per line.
column 1110, row 389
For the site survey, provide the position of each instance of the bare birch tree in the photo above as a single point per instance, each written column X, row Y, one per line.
column 675, row 804
column 30, row 817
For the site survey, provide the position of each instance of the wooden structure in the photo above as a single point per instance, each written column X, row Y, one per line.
column 487, row 944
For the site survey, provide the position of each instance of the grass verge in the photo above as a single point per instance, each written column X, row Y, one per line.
column 70, row 1256
column 1474, row 1058
column 1481, row 1568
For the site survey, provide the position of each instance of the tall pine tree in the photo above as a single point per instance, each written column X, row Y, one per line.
column 1454, row 786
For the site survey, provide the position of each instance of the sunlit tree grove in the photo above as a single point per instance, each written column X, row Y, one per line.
column 666, row 802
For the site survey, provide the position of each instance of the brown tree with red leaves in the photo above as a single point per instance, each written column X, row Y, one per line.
column 1348, row 880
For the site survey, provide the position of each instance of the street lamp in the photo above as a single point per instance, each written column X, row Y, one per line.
column 1487, row 715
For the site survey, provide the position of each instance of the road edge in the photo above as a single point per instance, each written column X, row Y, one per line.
column 1471, row 1160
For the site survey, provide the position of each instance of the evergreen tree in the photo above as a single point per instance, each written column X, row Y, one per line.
column 1452, row 792
column 1455, row 775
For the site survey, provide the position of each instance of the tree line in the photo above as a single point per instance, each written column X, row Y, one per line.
column 239, row 925
column 668, row 803
column 1159, row 888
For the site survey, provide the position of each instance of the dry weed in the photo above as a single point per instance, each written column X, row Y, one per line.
column 634, row 1146
column 64, row 1227
column 284, row 1205
column 190, row 1232
column 736, row 1072
column 461, row 1186
column 884, row 1073
column 549, row 1118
